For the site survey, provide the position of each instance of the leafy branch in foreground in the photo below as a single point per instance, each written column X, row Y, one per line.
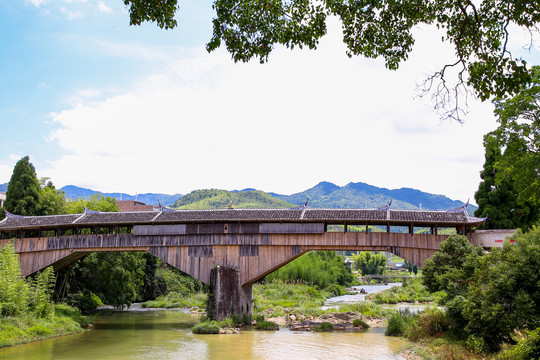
column 478, row 31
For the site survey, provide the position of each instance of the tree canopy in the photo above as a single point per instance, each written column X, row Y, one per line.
column 23, row 196
column 498, row 201
column 519, row 134
column 478, row 31
column 504, row 294
column 450, row 267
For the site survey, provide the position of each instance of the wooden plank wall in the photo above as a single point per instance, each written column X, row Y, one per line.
column 253, row 254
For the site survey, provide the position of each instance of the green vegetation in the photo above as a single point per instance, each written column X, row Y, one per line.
column 360, row 322
column 430, row 323
column 489, row 298
column 320, row 268
column 220, row 199
column 95, row 202
column 527, row 347
column 206, row 327
column 497, row 197
column 27, row 312
column 370, row 263
column 399, row 322
column 179, row 300
column 410, row 292
column 266, row 325
column 450, row 268
column 324, row 326
column 519, row 135
column 277, row 297
column 504, row 293
column 365, row 308
column 121, row 278
column 23, row 196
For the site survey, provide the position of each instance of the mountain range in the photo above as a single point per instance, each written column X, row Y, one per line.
column 322, row 195
column 362, row 195
column 75, row 192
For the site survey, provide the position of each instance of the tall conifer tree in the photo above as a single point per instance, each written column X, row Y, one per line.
column 23, row 192
column 498, row 199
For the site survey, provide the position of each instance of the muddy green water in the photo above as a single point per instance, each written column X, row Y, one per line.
column 167, row 335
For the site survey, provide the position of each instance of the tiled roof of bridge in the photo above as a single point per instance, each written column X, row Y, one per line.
column 117, row 218
column 230, row 215
column 345, row 214
column 373, row 216
column 431, row 216
column 38, row 221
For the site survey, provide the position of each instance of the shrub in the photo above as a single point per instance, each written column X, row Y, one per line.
column 9, row 334
column 39, row 330
column 475, row 344
column 528, row 347
column 360, row 322
column 64, row 310
column 246, row 319
column 208, row 327
column 266, row 325
column 335, row 290
column 431, row 323
column 400, row 322
column 434, row 323
column 324, row 326
column 85, row 300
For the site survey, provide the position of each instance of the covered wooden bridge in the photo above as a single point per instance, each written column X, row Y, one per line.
column 248, row 243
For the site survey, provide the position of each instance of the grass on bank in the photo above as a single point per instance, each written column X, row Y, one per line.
column 412, row 291
column 430, row 332
column 25, row 328
column 279, row 299
column 178, row 300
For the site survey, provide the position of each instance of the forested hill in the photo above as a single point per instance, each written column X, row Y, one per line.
column 361, row 195
column 220, row 199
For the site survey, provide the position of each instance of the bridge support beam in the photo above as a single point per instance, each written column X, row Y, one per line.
column 228, row 297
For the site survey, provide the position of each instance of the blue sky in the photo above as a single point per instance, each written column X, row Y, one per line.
column 100, row 104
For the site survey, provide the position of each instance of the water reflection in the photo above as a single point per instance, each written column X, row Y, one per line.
column 167, row 335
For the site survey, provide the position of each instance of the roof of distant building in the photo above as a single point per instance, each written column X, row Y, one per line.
column 134, row 205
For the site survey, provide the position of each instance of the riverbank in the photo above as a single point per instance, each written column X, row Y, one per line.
column 65, row 320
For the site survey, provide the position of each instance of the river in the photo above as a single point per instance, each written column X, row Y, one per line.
column 167, row 335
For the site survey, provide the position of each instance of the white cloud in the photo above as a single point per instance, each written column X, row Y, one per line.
column 104, row 8
column 70, row 14
column 37, row 3
column 203, row 121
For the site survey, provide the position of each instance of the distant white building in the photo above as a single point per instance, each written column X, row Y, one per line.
column 2, row 198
